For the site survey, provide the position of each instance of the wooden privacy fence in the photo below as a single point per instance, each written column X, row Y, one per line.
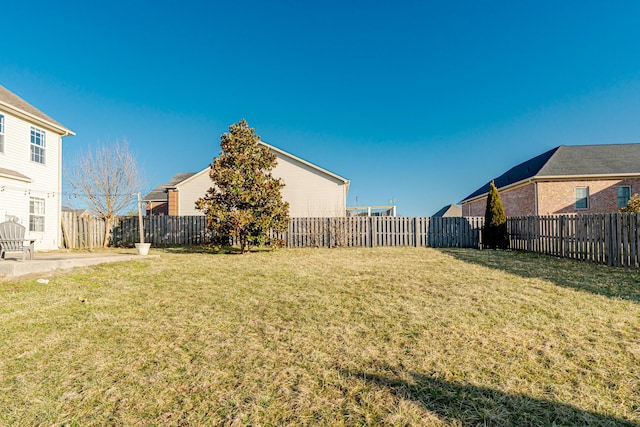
column 82, row 232
column 165, row 230
column 162, row 230
column 383, row 231
column 611, row 239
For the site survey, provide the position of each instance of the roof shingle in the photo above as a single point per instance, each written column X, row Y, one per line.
column 160, row 192
column 575, row 160
column 13, row 100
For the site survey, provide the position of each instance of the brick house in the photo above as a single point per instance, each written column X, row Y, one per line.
column 310, row 190
column 566, row 180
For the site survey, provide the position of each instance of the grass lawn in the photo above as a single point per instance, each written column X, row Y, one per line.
column 383, row 336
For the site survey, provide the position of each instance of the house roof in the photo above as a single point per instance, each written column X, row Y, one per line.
column 449, row 211
column 8, row 173
column 571, row 161
column 78, row 212
column 160, row 192
column 12, row 101
column 318, row 168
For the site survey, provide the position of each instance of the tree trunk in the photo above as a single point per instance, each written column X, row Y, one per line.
column 107, row 232
column 244, row 242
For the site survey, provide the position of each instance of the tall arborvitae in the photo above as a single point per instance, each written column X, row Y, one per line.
column 495, row 234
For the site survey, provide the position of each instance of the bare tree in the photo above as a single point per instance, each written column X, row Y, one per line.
column 106, row 179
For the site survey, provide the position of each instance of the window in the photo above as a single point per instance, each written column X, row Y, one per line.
column 624, row 194
column 38, row 144
column 582, row 197
column 36, row 214
column 1, row 133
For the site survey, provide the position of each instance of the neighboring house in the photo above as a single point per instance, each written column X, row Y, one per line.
column 80, row 213
column 566, row 180
column 310, row 190
column 448, row 211
column 157, row 200
column 30, row 169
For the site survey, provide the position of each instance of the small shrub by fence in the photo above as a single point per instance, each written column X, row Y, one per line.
column 82, row 232
column 165, row 230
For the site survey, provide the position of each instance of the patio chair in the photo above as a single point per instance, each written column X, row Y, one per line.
column 12, row 240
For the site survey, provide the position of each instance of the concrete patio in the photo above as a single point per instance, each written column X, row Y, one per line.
column 47, row 262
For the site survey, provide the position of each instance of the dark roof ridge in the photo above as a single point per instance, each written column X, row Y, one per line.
column 159, row 192
column 519, row 172
column 572, row 160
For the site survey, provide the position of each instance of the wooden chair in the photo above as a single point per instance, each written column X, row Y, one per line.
column 12, row 240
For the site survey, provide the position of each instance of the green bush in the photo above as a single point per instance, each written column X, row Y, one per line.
column 495, row 234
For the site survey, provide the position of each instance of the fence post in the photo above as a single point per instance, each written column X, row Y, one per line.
column 561, row 232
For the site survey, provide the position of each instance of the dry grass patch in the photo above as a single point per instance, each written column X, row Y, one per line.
column 397, row 336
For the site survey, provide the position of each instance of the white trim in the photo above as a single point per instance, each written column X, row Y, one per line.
column 41, row 202
column 15, row 178
column 618, row 197
column 2, row 133
column 556, row 178
column 184, row 181
column 304, row 162
column 277, row 150
column 575, row 204
column 60, row 129
column 37, row 133
column 585, row 177
column 509, row 187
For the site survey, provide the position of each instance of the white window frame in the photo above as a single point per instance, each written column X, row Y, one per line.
column 36, row 214
column 38, row 145
column 582, row 198
column 628, row 196
column 1, row 133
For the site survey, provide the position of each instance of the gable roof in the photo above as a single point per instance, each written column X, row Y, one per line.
column 13, row 102
column 160, row 192
column 571, row 161
column 304, row 162
column 449, row 211
column 8, row 173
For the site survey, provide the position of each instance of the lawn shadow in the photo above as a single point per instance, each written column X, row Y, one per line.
column 209, row 249
column 598, row 279
column 470, row 405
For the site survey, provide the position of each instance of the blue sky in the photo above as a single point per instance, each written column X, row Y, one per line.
column 418, row 102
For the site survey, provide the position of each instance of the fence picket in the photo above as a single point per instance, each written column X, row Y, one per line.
column 612, row 239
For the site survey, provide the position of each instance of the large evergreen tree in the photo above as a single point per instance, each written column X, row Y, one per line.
column 495, row 234
column 245, row 200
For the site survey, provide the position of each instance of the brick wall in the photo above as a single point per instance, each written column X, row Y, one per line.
column 560, row 197
column 557, row 197
column 172, row 200
column 518, row 201
column 157, row 208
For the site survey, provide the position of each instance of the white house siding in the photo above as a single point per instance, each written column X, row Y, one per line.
column 191, row 190
column 310, row 192
column 45, row 180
